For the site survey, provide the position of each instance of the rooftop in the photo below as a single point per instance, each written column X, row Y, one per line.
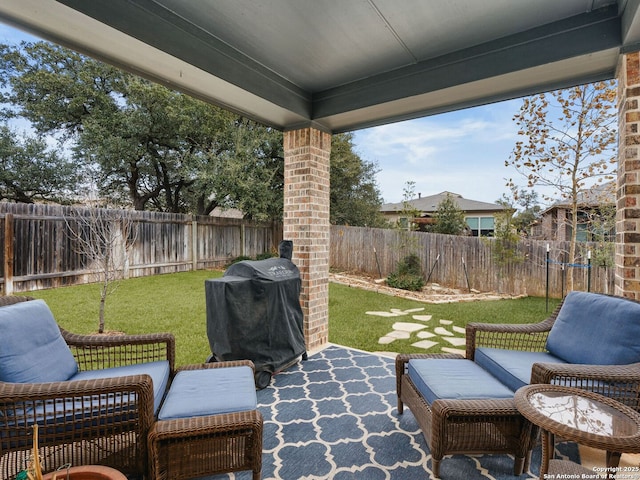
column 430, row 204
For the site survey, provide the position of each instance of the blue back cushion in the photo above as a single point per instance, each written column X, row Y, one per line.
column 597, row 330
column 32, row 349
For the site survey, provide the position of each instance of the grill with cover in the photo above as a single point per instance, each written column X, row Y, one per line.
column 254, row 313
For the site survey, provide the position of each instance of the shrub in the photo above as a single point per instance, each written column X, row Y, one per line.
column 408, row 275
column 240, row 259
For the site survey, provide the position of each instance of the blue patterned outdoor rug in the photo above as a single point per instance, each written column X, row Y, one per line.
column 334, row 416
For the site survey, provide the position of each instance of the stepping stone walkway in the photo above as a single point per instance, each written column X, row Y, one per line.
column 443, row 332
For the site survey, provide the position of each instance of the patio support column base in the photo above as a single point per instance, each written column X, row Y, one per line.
column 306, row 223
column 627, row 256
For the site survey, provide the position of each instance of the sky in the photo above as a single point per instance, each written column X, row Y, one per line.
column 462, row 152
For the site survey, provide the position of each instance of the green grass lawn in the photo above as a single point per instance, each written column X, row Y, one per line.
column 176, row 303
column 350, row 325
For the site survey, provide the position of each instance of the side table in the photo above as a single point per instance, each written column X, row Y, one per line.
column 580, row 416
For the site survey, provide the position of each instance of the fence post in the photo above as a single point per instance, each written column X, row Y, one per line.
column 242, row 237
column 194, row 245
column 8, row 254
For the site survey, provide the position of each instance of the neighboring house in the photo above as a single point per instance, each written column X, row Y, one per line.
column 480, row 216
column 596, row 217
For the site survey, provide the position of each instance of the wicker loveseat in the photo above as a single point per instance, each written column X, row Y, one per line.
column 94, row 397
column 465, row 405
column 591, row 341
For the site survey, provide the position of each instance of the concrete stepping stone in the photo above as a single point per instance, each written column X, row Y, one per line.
column 413, row 310
column 423, row 318
column 386, row 340
column 425, row 344
column 443, row 331
column 400, row 334
column 426, row 335
column 383, row 314
column 446, row 322
column 459, row 329
column 407, row 327
column 455, row 341
column 398, row 312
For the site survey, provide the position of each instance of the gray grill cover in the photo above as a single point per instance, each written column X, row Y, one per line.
column 254, row 313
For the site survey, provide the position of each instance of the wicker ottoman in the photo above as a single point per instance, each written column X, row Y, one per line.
column 208, row 424
column 465, row 409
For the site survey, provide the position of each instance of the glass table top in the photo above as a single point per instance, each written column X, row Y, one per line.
column 583, row 414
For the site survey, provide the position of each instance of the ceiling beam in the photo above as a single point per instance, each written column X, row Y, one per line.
column 576, row 36
column 183, row 40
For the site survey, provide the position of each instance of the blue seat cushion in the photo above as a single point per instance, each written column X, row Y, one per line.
column 437, row 378
column 159, row 372
column 511, row 367
column 32, row 349
column 212, row 391
column 596, row 329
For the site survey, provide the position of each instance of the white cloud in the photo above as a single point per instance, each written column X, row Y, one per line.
column 462, row 152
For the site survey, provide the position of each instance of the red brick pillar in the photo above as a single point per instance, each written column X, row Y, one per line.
column 627, row 281
column 306, row 223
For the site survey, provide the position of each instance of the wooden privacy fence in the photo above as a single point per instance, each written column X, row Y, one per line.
column 40, row 250
column 467, row 262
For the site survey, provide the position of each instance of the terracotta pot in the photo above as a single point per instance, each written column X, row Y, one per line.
column 87, row 472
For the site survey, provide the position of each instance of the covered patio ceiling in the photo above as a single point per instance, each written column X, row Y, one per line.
column 340, row 65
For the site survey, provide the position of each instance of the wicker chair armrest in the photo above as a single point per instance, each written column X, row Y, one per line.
column 527, row 336
column 226, row 364
column 105, row 351
column 555, row 372
column 27, row 392
column 621, row 382
column 11, row 299
column 207, row 425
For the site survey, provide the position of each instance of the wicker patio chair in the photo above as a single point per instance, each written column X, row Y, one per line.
column 95, row 421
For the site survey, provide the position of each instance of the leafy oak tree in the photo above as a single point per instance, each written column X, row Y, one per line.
column 152, row 148
column 569, row 140
column 31, row 171
column 355, row 196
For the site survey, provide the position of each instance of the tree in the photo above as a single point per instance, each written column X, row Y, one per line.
column 104, row 238
column 449, row 218
column 528, row 211
column 154, row 148
column 504, row 244
column 408, row 212
column 355, row 197
column 408, row 273
column 31, row 171
column 569, row 143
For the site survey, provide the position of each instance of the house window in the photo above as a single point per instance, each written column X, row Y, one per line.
column 481, row 226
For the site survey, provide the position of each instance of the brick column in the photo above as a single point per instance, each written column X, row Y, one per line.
column 627, row 281
column 306, row 223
